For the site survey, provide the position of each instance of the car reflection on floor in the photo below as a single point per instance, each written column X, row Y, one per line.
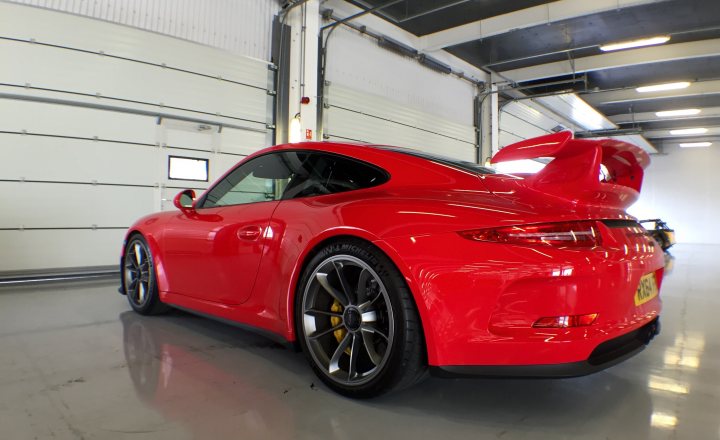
column 669, row 263
column 175, row 371
column 220, row 382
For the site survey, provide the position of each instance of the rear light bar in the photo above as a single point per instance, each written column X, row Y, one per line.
column 576, row 234
column 566, row 321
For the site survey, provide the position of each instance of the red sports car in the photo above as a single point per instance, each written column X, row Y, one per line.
column 380, row 262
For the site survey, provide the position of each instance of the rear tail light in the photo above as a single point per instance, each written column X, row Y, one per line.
column 566, row 321
column 566, row 234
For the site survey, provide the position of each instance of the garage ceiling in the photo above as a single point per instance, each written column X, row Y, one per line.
column 548, row 47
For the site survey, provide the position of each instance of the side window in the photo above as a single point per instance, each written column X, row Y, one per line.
column 261, row 179
column 320, row 173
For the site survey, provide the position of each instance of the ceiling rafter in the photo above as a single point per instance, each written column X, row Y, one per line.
column 630, row 95
column 544, row 48
column 524, row 18
column 712, row 131
column 612, row 60
column 629, row 118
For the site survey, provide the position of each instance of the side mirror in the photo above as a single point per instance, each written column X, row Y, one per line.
column 184, row 201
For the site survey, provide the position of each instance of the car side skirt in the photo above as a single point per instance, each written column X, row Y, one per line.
column 274, row 337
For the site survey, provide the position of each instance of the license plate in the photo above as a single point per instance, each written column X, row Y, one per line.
column 647, row 289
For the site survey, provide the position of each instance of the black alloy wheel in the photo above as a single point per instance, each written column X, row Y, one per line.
column 139, row 280
column 357, row 321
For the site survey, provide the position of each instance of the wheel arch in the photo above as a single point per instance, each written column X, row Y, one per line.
column 315, row 247
column 160, row 274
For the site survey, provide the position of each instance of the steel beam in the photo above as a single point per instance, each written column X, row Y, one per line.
column 612, row 60
column 631, row 95
column 524, row 18
column 627, row 118
column 665, row 134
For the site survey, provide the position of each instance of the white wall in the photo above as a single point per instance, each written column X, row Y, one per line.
column 357, row 61
column 681, row 188
column 519, row 121
column 378, row 96
column 83, row 150
column 239, row 26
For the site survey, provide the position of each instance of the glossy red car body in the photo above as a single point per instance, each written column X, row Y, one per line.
column 477, row 300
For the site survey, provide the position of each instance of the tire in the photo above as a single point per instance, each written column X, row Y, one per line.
column 139, row 279
column 357, row 322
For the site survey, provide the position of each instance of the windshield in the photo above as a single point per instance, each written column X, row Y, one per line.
column 449, row 161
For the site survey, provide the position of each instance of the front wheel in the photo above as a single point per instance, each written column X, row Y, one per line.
column 139, row 280
column 357, row 321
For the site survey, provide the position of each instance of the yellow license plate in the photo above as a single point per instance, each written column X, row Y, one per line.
column 647, row 289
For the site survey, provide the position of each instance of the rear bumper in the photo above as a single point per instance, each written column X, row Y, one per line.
column 605, row 355
column 479, row 301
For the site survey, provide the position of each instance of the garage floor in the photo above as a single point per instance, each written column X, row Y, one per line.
column 76, row 363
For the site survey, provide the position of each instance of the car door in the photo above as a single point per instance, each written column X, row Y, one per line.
column 308, row 207
column 214, row 253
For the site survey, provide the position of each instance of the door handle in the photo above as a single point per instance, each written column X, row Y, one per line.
column 250, row 233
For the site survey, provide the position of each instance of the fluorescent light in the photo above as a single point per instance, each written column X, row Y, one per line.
column 635, row 43
column 688, row 131
column 684, row 112
column 691, row 340
column 663, row 420
column 666, row 384
column 696, row 144
column 674, row 359
column 295, row 130
column 575, row 109
column 663, row 87
column 586, row 116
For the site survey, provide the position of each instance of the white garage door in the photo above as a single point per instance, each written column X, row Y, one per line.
column 377, row 96
column 359, row 116
column 90, row 113
column 519, row 121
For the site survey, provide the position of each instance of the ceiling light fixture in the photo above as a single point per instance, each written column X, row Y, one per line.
column 685, row 131
column 663, row 87
column 635, row 43
column 695, row 144
column 684, row 112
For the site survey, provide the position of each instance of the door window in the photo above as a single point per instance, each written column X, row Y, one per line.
column 290, row 175
column 261, row 179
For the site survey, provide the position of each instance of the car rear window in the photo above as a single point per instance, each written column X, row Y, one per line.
column 318, row 173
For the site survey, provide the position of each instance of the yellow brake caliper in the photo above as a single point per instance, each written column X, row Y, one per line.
column 335, row 320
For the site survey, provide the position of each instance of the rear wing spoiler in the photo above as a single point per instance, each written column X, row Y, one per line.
column 576, row 171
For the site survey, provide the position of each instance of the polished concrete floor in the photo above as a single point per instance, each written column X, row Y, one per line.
column 75, row 363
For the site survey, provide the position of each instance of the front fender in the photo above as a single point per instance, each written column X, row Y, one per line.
column 151, row 229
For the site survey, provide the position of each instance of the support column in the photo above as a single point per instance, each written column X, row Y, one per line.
column 303, row 73
column 489, row 124
column 494, row 120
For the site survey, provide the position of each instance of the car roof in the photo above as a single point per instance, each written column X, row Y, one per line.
column 355, row 149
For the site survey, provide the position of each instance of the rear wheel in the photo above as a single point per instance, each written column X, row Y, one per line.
column 139, row 280
column 357, row 322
